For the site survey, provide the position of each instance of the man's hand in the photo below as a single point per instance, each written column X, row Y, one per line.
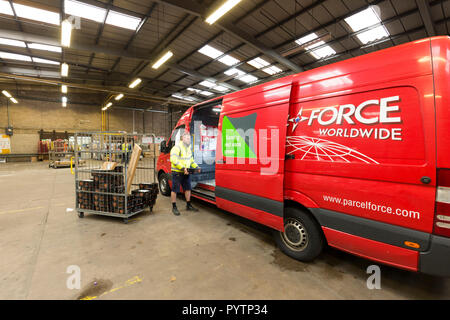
column 186, row 171
column 199, row 170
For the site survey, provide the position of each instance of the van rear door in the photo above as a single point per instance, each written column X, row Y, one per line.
column 250, row 152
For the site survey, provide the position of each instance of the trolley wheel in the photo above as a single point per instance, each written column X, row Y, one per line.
column 125, row 220
column 151, row 209
column 80, row 214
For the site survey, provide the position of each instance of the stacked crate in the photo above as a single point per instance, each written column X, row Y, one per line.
column 85, row 198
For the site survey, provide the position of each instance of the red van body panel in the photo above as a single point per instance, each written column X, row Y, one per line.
column 360, row 142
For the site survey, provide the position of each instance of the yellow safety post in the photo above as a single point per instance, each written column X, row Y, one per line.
column 71, row 165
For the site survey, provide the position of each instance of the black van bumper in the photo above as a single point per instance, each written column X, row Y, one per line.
column 436, row 260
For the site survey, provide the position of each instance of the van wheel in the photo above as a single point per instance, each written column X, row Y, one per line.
column 302, row 238
column 164, row 184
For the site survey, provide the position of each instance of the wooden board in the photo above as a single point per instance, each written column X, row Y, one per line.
column 132, row 166
column 109, row 165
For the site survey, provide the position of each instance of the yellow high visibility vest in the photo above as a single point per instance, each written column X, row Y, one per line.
column 181, row 157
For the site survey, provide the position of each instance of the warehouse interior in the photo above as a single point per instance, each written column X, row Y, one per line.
column 134, row 67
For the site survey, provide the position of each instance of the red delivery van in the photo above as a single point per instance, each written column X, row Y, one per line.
column 354, row 155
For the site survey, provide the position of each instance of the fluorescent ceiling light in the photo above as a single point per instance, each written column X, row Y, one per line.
column 109, row 104
column 207, row 84
column 14, row 56
column 31, row 13
column 163, row 59
column 84, row 10
column 45, row 47
column 66, row 33
column 6, row 93
column 229, row 60
column 13, row 100
column 64, row 101
column 135, row 83
column 258, row 63
column 39, row 60
column 5, row 8
column 122, row 20
column 118, row 97
column 224, row 8
column 365, row 19
column 64, row 69
column 15, row 43
column 210, row 52
column 64, row 88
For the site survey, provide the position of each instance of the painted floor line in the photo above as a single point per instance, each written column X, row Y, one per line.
column 21, row 210
column 128, row 283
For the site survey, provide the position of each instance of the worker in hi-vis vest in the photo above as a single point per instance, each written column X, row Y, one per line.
column 181, row 159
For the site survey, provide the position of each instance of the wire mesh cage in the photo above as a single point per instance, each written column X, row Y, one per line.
column 60, row 153
column 112, row 175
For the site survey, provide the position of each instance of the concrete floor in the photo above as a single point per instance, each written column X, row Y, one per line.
column 210, row 254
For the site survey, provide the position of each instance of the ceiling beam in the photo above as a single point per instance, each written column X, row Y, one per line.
column 424, row 10
column 193, row 8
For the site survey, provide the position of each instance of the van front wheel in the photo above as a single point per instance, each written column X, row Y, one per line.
column 164, row 186
column 302, row 238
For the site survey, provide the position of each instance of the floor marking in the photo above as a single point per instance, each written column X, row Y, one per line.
column 128, row 283
column 21, row 210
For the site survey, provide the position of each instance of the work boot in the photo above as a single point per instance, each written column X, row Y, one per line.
column 175, row 211
column 189, row 207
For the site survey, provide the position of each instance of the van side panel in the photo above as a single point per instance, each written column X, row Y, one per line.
column 363, row 139
column 440, row 47
column 374, row 250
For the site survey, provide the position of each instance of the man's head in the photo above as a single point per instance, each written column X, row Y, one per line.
column 186, row 138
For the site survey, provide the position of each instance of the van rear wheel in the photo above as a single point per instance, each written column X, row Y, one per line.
column 302, row 238
column 164, row 186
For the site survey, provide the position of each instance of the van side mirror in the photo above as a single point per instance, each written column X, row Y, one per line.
column 163, row 147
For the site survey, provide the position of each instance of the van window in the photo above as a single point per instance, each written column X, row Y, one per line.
column 176, row 135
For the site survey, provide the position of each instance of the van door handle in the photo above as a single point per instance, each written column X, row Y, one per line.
column 289, row 157
column 219, row 161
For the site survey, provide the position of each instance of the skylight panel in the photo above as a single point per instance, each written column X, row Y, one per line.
column 221, row 88
column 210, row 52
column 323, row 52
column 206, row 93
column 258, row 63
column 363, row 19
column 31, row 13
column 272, row 70
column 84, row 10
column 122, row 20
column 15, row 43
column 308, row 38
column 201, row 92
column 207, row 84
column 5, row 8
column 39, row 60
column 229, row 60
column 373, row 34
column 45, row 47
column 14, row 56
column 248, row 78
column 233, row 71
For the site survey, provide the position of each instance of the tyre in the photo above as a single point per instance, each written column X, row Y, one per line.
column 164, row 186
column 302, row 238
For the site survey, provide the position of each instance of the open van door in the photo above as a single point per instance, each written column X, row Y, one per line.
column 250, row 153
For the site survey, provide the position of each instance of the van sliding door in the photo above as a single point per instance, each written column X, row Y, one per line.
column 250, row 153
